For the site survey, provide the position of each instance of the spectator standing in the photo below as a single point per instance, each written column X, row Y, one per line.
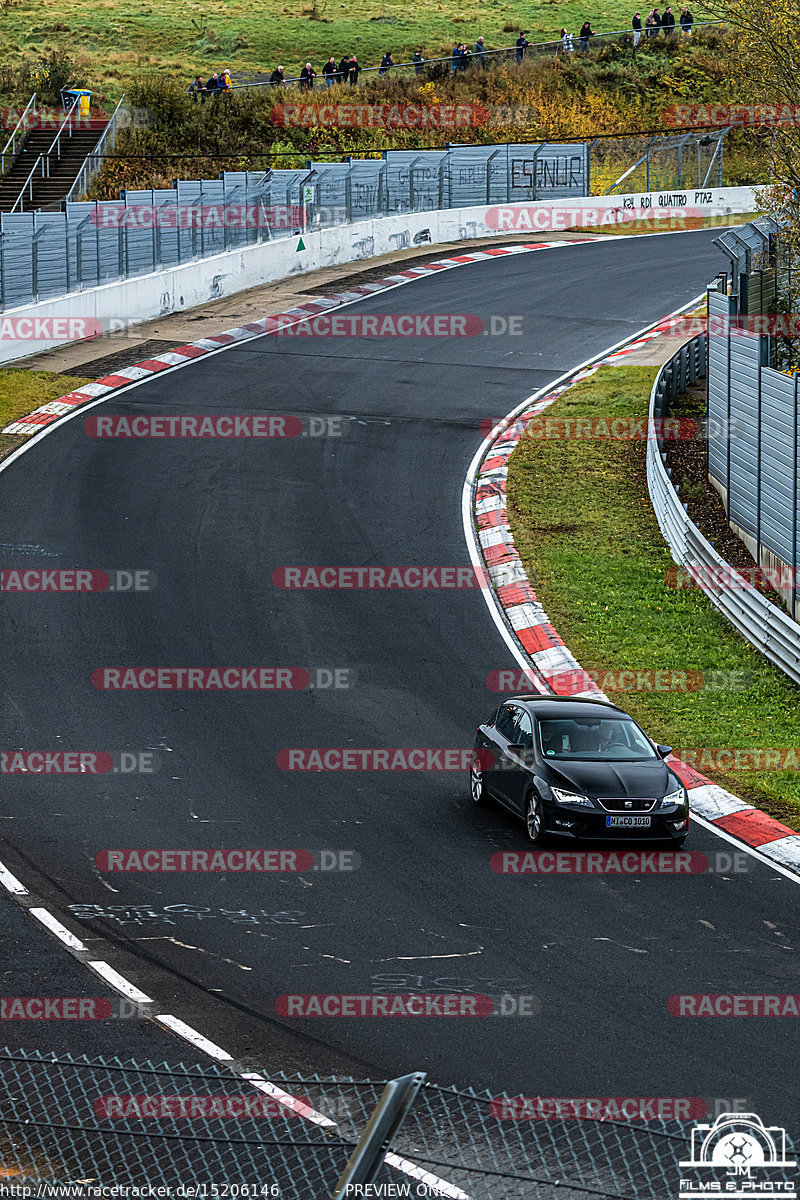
column 636, row 26
column 465, row 58
column 479, row 53
column 668, row 22
column 212, row 85
column 354, row 69
column 687, row 21
column 419, row 62
column 567, row 44
column 455, row 58
column 387, row 62
column 649, row 25
column 307, row 77
column 584, row 35
column 656, row 22
column 198, row 88
column 278, row 76
column 522, row 44
column 330, row 72
column 343, row 74
column 224, row 85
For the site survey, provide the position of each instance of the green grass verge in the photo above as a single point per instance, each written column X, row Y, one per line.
column 23, row 391
column 585, row 529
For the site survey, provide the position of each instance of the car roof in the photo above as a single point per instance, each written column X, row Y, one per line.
column 565, row 707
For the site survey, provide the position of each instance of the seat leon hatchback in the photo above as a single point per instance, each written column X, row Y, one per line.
column 576, row 768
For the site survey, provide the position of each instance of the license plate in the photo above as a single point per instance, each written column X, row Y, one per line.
column 627, row 822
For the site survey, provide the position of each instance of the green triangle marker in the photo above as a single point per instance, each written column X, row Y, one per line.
column 300, row 246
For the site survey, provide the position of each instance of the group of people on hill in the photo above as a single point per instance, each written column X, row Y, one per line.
column 218, row 85
column 347, row 69
column 655, row 22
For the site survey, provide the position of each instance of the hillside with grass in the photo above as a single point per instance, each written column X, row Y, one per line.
column 613, row 90
column 114, row 42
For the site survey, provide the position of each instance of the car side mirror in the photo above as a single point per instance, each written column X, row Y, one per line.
column 664, row 750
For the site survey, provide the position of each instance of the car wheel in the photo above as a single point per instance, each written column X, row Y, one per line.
column 477, row 787
column 534, row 819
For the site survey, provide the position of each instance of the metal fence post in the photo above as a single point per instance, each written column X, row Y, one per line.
column 392, row 1108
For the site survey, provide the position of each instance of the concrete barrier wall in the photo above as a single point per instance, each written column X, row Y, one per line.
column 145, row 297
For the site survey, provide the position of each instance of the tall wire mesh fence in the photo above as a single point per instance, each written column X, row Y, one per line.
column 46, row 254
column 88, row 1122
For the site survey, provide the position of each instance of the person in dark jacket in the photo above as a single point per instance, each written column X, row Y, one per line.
column 687, row 21
column 455, row 58
column 307, row 77
column 343, row 74
column 636, row 26
column 330, row 72
column 668, row 22
column 387, row 62
column 278, row 76
column 521, row 44
column 419, row 62
column 197, row 89
column 354, row 69
column 656, row 22
column 586, row 32
column 479, row 53
column 212, row 85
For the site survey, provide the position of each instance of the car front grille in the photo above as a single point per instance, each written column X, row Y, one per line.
column 627, row 804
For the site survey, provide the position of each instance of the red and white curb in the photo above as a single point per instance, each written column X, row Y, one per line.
column 48, row 413
column 539, row 641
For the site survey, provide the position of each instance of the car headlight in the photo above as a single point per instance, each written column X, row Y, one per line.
column 571, row 798
column 673, row 799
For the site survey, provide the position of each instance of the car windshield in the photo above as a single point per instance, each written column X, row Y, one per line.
column 594, row 739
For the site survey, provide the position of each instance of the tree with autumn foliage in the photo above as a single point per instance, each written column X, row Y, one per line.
column 767, row 70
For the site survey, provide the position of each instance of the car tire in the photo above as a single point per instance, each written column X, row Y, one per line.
column 477, row 787
column 534, row 819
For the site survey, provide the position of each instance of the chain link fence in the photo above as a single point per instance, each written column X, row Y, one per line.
column 88, row 1122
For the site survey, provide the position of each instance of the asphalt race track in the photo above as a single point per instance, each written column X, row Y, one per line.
column 424, row 913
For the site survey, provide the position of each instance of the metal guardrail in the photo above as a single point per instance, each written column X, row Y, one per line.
column 10, row 149
column 67, row 1119
column 757, row 619
column 42, row 163
column 94, row 159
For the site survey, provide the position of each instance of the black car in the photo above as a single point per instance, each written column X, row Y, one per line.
column 574, row 768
